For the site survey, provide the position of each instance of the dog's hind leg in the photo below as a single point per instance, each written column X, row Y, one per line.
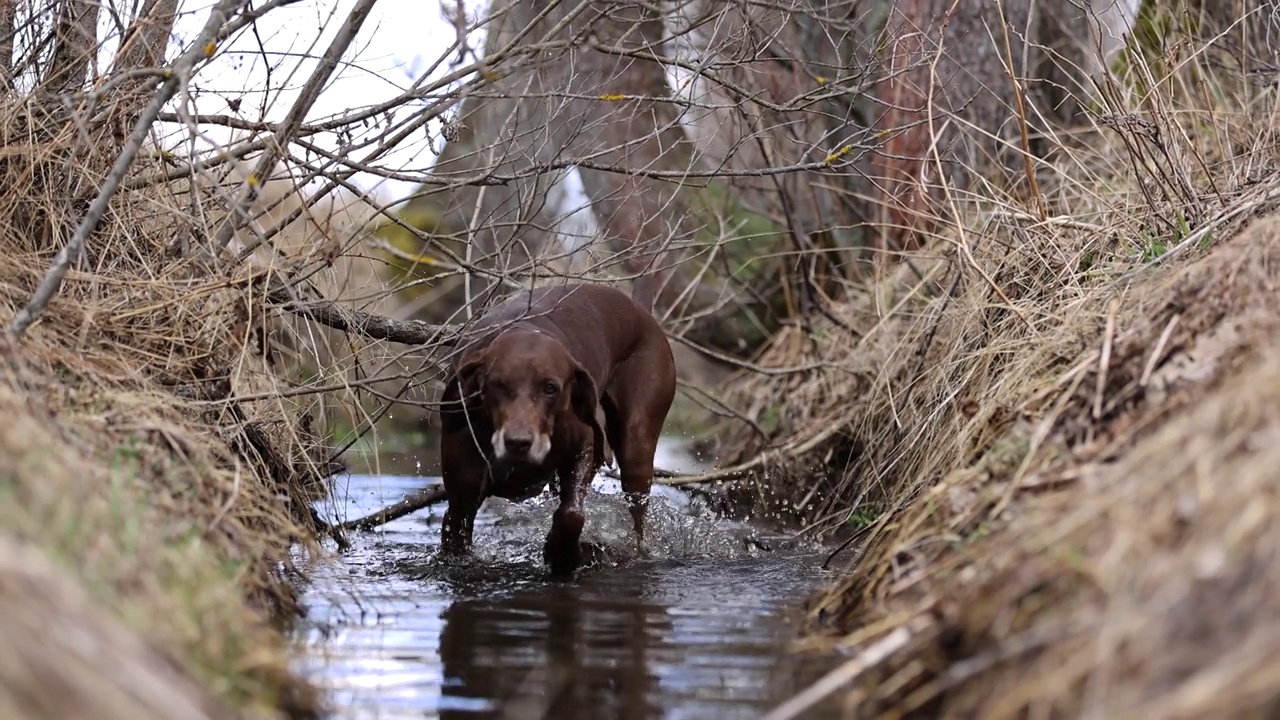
column 636, row 416
column 635, row 482
column 603, row 421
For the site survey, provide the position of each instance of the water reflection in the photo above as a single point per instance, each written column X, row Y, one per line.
column 552, row 653
column 698, row 632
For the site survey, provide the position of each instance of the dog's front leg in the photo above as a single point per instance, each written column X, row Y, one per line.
column 563, row 550
column 459, row 523
column 464, row 474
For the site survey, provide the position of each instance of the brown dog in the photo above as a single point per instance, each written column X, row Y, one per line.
column 546, row 362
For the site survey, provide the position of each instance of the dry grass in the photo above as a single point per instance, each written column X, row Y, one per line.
column 1054, row 441
column 156, row 511
column 1081, row 564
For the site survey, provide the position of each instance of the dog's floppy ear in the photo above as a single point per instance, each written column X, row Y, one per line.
column 471, row 376
column 584, row 398
column 460, row 390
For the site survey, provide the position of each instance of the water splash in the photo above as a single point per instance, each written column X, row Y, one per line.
column 679, row 528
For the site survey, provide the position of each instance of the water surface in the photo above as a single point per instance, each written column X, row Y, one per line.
column 699, row 629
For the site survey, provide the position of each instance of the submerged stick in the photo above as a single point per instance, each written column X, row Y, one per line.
column 435, row 493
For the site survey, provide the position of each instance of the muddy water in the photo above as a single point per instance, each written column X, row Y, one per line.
column 698, row 629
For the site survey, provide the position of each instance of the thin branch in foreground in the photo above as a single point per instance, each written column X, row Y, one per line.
column 71, row 252
column 875, row 654
column 417, row 332
column 301, row 106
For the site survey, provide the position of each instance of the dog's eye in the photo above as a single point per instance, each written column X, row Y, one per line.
column 550, row 388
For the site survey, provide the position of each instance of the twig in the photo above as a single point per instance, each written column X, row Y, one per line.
column 70, row 253
column 746, row 365
column 1042, row 432
column 659, row 474
column 1104, row 358
column 375, row 327
column 306, row 99
column 858, row 534
column 790, row 450
column 876, row 653
column 1257, row 204
column 429, row 495
column 1158, row 351
column 1021, row 114
column 7, row 11
column 468, row 297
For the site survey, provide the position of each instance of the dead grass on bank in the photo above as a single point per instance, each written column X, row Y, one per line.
column 1056, row 442
column 1119, row 565
column 156, row 510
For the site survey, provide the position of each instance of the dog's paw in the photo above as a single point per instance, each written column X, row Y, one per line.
column 562, row 560
column 642, row 551
column 562, row 551
column 452, row 556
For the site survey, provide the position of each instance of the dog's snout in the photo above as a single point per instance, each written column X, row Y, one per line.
column 518, row 444
column 521, row 445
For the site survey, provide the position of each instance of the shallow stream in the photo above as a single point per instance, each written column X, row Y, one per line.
column 700, row 629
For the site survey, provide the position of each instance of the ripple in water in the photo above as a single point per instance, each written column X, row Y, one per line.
column 697, row 629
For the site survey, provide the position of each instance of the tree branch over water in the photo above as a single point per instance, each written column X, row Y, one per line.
column 370, row 325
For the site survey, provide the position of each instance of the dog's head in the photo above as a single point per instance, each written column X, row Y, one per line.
column 526, row 382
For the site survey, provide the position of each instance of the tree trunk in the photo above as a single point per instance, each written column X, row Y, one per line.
column 74, row 45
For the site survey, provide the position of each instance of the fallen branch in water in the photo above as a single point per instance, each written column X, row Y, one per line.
column 429, row 495
column 435, row 493
column 790, row 450
column 426, row 497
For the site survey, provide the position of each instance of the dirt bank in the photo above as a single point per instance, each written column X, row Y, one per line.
column 1053, row 444
column 1107, row 545
column 145, row 516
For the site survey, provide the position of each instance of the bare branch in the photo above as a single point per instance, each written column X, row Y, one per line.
column 144, row 43
column 369, row 325
column 7, row 8
column 181, row 69
column 310, row 92
column 75, row 41
column 428, row 496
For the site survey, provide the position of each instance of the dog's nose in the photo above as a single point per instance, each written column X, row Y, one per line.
column 518, row 444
